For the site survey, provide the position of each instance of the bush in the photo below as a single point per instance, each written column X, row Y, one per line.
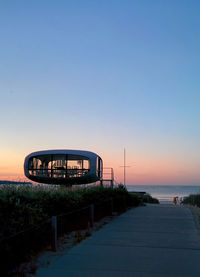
column 192, row 199
column 30, row 208
column 145, row 197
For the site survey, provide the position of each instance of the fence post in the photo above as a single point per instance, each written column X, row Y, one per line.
column 124, row 202
column 111, row 205
column 92, row 215
column 54, row 233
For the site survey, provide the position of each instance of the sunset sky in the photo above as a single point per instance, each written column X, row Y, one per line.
column 101, row 76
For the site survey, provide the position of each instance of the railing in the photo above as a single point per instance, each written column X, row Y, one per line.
column 87, row 216
column 59, row 173
column 108, row 176
column 19, row 246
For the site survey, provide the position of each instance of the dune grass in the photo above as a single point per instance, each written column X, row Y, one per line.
column 25, row 213
column 192, row 199
column 145, row 197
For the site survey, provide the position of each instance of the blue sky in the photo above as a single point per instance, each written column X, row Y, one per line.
column 101, row 76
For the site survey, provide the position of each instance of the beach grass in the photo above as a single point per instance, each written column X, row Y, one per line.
column 192, row 199
column 26, row 211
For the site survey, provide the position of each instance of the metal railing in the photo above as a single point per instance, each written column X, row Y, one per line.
column 44, row 236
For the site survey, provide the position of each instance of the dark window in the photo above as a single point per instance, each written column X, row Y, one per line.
column 59, row 166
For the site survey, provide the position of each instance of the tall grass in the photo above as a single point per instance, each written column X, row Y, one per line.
column 26, row 207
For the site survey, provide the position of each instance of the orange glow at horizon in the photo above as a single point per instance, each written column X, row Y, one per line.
column 153, row 171
column 11, row 166
column 144, row 170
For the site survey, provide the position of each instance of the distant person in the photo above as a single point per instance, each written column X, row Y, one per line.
column 175, row 200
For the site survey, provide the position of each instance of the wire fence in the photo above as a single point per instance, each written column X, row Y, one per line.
column 23, row 245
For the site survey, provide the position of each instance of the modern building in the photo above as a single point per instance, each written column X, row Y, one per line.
column 67, row 167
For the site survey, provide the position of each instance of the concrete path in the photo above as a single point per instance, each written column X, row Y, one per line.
column 152, row 241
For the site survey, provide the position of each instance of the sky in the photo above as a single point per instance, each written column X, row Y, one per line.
column 103, row 76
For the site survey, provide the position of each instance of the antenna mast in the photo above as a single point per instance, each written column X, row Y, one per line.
column 124, row 166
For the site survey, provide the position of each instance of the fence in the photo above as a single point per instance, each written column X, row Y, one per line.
column 22, row 246
column 81, row 219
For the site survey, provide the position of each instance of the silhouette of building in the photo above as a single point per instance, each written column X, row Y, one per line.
column 67, row 167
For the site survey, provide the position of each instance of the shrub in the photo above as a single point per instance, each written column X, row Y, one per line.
column 145, row 197
column 25, row 212
column 192, row 199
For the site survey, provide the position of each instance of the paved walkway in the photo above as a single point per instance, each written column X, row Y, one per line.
column 152, row 241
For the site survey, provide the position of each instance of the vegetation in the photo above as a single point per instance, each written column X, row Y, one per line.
column 192, row 199
column 25, row 213
column 145, row 197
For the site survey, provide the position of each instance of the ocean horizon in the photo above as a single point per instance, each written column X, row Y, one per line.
column 162, row 192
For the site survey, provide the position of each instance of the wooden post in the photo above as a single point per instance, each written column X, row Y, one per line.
column 54, row 233
column 92, row 215
column 111, row 205
column 124, row 202
column 112, row 178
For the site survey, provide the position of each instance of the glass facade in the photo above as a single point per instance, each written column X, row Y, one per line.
column 59, row 166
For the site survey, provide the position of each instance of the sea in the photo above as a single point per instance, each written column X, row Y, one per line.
column 165, row 193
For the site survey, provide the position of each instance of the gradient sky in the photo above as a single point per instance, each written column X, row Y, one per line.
column 101, row 76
